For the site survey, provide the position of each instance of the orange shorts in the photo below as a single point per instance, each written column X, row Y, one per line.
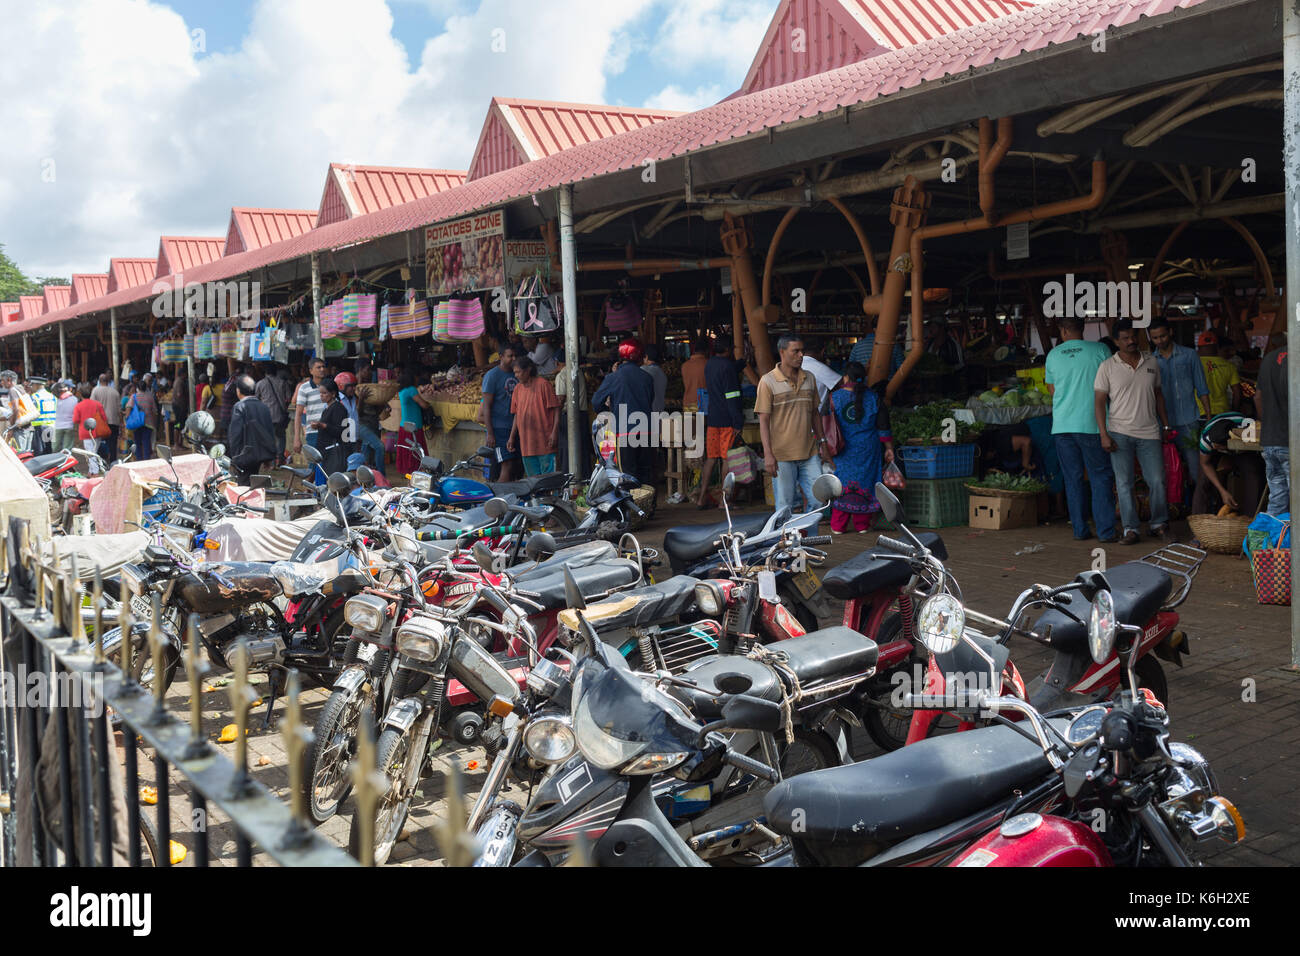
column 717, row 442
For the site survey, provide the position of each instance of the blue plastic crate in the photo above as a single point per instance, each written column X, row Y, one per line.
column 937, row 461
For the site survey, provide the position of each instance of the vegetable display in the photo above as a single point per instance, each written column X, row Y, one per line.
column 925, row 425
column 1002, row 481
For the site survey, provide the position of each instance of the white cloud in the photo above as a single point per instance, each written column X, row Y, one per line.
column 675, row 98
column 148, row 138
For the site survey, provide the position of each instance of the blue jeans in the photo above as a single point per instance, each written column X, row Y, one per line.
column 143, row 443
column 1277, row 468
column 802, row 473
column 1152, row 459
column 1077, row 451
column 318, row 477
column 371, row 446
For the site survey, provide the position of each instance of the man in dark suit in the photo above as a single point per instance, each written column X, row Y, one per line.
column 252, row 437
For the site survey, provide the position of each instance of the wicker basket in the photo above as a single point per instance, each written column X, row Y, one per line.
column 377, row 393
column 1001, row 492
column 1220, row 535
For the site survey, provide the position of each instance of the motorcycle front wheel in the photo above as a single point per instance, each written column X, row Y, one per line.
column 327, row 778
column 142, row 670
column 391, row 754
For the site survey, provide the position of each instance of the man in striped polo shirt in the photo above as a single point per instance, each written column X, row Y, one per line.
column 793, row 444
column 310, row 404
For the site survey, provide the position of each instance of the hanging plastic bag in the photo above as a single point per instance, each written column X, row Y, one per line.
column 893, row 477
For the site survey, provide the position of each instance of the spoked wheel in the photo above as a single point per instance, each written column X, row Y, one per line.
column 142, row 669
column 393, row 750
column 328, row 774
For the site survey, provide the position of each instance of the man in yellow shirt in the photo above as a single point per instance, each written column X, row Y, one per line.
column 1220, row 375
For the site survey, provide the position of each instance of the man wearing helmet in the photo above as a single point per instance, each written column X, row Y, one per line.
column 629, row 392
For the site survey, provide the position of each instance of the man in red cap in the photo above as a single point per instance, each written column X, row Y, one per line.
column 1220, row 376
column 629, row 392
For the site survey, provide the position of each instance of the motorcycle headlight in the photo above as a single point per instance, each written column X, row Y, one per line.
column 709, row 598
column 655, row 763
column 1101, row 627
column 941, row 621
column 421, row 480
column 422, row 638
column 550, row 739
column 134, row 577
column 365, row 612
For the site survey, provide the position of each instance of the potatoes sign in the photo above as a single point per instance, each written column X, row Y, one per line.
column 465, row 254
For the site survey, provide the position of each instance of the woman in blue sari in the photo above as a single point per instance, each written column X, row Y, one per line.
column 863, row 418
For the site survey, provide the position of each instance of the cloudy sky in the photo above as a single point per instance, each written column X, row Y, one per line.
column 124, row 120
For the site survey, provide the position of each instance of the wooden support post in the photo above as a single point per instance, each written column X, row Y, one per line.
column 735, row 242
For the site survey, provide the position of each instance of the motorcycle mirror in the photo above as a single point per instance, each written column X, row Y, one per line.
column 410, row 428
column 743, row 712
column 430, row 464
column 495, row 508
column 485, row 452
column 338, row 483
column 257, row 482
column 827, row 488
column 312, row 454
column 217, row 451
column 729, row 484
column 90, row 425
column 365, row 477
column 732, row 683
column 482, row 555
column 540, row 545
column 164, row 452
column 572, row 593
column 889, row 504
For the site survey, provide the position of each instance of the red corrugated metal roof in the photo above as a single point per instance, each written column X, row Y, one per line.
column 517, row 131
column 1031, row 29
column 10, row 312
column 807, row 37
column 352, row 190
column 129, row 273
column 179, row 254
column 87, row 286
column 255, row 228
column 32, row 305
column 57, row 297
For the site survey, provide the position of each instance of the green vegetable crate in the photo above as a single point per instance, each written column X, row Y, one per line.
column 938, row 503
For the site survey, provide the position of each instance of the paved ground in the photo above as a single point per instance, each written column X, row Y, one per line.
column 1234, row 700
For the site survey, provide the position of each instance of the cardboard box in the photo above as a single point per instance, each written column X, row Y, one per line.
column 998, row 514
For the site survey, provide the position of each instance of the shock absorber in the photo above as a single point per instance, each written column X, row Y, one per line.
column 646, row 647
column 905, row 612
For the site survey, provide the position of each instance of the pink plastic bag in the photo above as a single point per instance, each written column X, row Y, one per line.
column 893, row 477
column 1175, row 472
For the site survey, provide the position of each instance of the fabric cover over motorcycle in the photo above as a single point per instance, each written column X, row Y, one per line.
column 256, row 539
column 21, row 496
column 639, row 607
column 108, row 552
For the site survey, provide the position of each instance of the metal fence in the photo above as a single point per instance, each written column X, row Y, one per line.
column 75, row 727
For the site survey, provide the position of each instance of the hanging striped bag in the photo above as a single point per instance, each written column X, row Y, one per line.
column 439, row 320
column 349, row 306
column 410, row 319
column 367, row 310
column 464, row 319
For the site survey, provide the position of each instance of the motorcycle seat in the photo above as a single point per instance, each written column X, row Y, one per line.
column 830, row 653
column 44, row 462
column 532, row 485
column 866, row 806
column 579, row 556
column 592, row 579
column 687, row 543
column 1139, row 590
column 868, row 572
column 639, row 607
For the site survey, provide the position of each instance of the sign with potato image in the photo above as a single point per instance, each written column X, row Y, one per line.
column 465, row 254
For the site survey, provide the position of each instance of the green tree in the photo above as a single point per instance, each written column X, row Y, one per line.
column 12, row 281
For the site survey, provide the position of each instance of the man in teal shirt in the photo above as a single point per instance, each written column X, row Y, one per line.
column 1070, row 370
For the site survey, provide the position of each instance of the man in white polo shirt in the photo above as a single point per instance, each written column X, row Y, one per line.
column 309, row 405
column 1133, row 426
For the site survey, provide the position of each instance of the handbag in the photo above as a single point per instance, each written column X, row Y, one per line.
column 622, row 314
column 350, row 308
column 410, row 319
column 259, row 346
column 1271, row 570
column 831, row 431
column 331, row 321
column 103, row 429
column 227, row 344
column 536, row 310
column 439, row 322
column 464, row 319
column 1175, row 471
column 740, row 462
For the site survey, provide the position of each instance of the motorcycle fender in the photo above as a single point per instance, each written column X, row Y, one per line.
column 351, row 679
column 642, row 836
column 403, row 713
column 1054, row 841
column 475, row 667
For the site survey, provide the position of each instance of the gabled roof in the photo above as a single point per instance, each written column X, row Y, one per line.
column 57, row 297
column 519, row 131
column 352, row 190
column 32, row 305
column 255, row 228
column 129, row 273
column 10, row 312
column 807, row 37
column 176, row 254
column 87, row 286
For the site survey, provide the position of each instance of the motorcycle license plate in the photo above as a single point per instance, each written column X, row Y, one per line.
column 807, row 583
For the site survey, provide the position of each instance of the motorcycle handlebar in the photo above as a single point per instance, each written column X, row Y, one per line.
column 817, row 539
column 750, row 765
column 902, row 547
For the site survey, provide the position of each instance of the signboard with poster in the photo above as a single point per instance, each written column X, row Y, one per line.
column 465, row 255
column 523, row 258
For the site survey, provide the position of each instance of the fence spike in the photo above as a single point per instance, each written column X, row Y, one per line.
column 456, row 843
column 97, row 603
column 297, row 738
column 241, row 699
column 156, row 645
column 368, row 785
column 195, row 668
column 76, row 627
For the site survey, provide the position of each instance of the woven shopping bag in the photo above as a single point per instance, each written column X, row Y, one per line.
column 410, row 319
column 1271, row 568
column 203, row 345
column 331, row 320
column 227, row 344
column 464, row 319
column 441, row 310
column 350, row 310
column 367, row 310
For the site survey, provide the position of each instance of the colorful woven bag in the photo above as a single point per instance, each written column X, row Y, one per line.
column 204, row 342
column 350, row 309
column 227, row 344
column 331, row 320
column 367, row 310
column 464, row 319
column 1271, row 568
column 410, row 319
column 173, row 350
column 441, row 310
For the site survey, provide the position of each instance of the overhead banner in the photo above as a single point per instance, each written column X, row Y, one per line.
column 465, row 255
column 523, row 258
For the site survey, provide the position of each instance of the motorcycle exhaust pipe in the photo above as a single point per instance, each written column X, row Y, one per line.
column 497, row 836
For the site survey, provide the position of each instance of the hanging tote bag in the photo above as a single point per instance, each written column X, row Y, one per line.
column 227, row 344
column 367, row 310
column 259, row 346
column 410, row 319
column 188, row 345
column 173, row 350
column 439, row 321
column 350, row 309
column 622, row 314
column 536, row 310
column 331, row 321
column 203, row 345
column 464, row 319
